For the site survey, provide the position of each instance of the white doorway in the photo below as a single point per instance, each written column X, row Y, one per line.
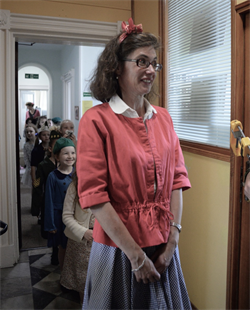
column 36, row 90
column 17, row 27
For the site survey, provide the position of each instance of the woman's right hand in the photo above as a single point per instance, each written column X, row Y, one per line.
column 116, row 230
column 147, row 273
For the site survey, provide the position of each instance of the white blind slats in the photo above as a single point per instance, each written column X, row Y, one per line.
column 199, row 64
column 195, row 7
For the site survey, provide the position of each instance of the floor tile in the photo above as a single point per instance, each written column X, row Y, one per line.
column 70, row 295
column 37, row 274
column 34, row 258
column 19, row 270
column 35, row 284
column 61, row 303
column 40, row 251
column 24, row 257
column 15, row 287
column 41, row 298
column 24, row 302
column 50, row 284
column 44, row 263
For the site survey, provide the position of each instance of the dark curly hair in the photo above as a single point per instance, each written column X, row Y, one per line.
column 103, row 83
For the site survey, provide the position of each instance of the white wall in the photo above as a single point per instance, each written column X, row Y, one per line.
column 70, row 59
column 88, row 58
column 51, row 61
column 83, row 60
column 43, row 78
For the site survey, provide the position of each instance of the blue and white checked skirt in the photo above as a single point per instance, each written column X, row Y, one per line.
column 110, row 283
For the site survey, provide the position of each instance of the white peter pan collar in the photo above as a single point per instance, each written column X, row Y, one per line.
column 120, row 107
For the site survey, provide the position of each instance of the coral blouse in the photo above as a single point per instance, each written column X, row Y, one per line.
column 119, row 160
column 35, row 115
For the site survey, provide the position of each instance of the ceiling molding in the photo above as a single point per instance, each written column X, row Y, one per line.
column 59, row 30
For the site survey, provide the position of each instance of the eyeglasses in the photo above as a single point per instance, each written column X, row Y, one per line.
column 143, row 63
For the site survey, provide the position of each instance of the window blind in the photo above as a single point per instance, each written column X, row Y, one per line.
column 199, row 70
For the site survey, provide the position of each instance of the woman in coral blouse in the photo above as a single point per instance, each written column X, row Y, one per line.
column 31, row 113
column 131, row 174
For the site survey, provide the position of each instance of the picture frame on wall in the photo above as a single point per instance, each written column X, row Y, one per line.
column 77, row 113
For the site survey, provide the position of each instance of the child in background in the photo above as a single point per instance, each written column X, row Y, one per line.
column 30, row 134
column 41, row 121
column 27, row 122
column 79, row 224
column 37, row 155
column 56, row 187
column 67, row 130
column 43, row 170
column 57, row 121
column 50, row 122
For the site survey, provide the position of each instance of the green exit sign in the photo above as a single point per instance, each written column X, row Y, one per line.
column 31, row 76
column 87, row 94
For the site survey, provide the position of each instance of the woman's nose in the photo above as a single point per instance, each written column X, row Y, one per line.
column 150, row 69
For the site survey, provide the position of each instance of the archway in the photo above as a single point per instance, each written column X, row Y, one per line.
column 35, row 85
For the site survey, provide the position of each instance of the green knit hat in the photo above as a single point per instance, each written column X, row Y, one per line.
column 61, row 143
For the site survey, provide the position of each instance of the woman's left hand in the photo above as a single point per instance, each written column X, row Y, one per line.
column 162, row 257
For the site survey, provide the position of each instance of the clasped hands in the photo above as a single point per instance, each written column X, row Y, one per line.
column 159, row 261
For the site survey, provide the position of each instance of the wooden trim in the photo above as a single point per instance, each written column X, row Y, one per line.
column 218, row 153
column 162, row 53
column 133, row 9
column 243, row 7
column 237, row 104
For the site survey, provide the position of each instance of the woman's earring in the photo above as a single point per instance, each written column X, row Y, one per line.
column 117, row 77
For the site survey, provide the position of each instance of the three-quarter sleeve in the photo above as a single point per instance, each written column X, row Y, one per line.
column 181, row 179
column 91, row 163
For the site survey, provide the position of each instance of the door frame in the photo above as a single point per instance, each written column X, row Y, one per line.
column 237, row 109
column 29, row 28
column 68, row 80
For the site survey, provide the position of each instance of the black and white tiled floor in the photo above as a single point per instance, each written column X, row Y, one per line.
column 35, row 284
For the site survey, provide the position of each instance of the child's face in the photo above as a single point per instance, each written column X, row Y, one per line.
column 42, row 121
column 67, row 156
column 50, row 123
column 67, row 126
column 30, row 133
column 44, row 136
column 29, row 122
